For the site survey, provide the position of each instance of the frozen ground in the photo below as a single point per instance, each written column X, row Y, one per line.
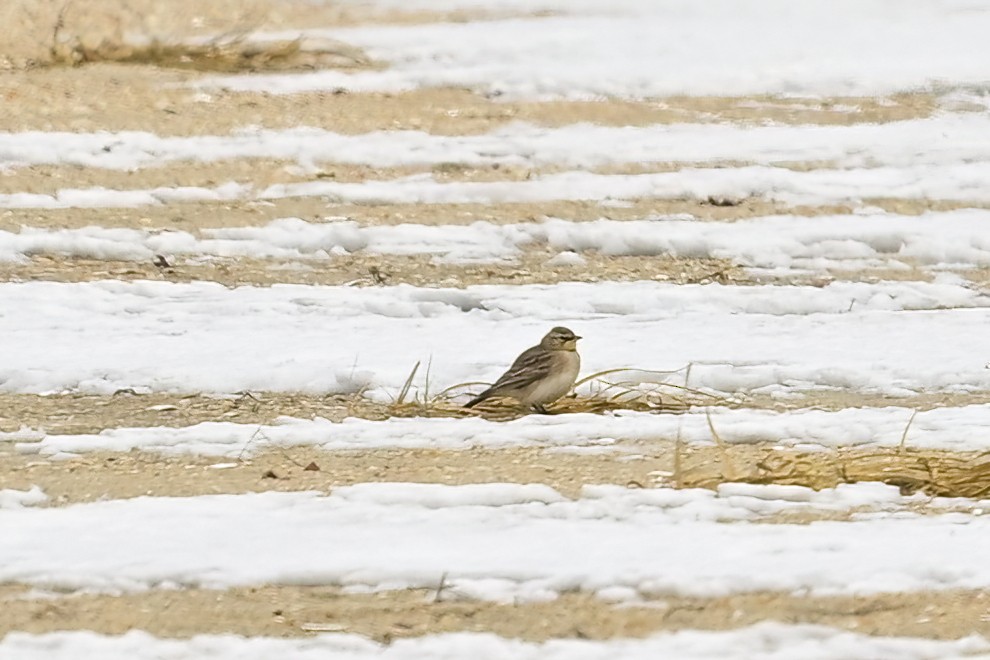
column 106, row 336
column 719, row 48
column 959, row 429
column 497, row 541
column 847, row 141
column 786, row 244
column 956, row 182
column 769, row 641
column 949, row 138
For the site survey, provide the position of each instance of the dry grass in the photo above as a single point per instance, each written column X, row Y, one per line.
column 934, row 472
column 610, row 390
column 215, row 37
column 226, row 55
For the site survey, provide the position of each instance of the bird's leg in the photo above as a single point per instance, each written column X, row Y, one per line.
column 540, row 408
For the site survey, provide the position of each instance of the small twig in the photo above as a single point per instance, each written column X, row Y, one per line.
column 440, row 587
column 710, row 276
column 250, row 441
column 613, row 371
column 426, row 383
column 730, row 470
column 264, row 437
column 377, row 275
column 907, row 427
column 678, row 461
column 57, row 28
column 443, row 393
column 405, row 388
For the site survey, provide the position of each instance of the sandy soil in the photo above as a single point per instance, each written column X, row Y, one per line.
column 192, row 216
column 660, row 462
column 300, row 611
column 174, row 101
column 372, row 270
column 262, row 173
column 118, row 97
column 528, row 267
column 85, row 413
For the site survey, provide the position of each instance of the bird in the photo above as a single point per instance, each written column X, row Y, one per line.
column 541, row 374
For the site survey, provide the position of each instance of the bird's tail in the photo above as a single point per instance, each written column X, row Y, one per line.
column 478, row 399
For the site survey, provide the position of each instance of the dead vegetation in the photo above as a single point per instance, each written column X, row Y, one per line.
column 224, row 55
column 933, row 472
column 612, row 390
column 216, row 37
column 297, row 611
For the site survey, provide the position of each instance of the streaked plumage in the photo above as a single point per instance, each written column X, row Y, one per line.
column 541, row 374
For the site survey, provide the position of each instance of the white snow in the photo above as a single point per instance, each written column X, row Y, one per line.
column 764, row 641
column 784, row 243
column 501, row 541
column 670, row 47
column 953, row 428
column 107, row 198
column 202, row 337
column 948, row 138
column 955, row 181
column 492, row 544
column 15, row 499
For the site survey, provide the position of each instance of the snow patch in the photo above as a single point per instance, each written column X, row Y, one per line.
column 950, row 138
column 737, row 48
column 17, row 499
column 496, row 542
column 959, row 429
column 101, row 337
column 764, row 641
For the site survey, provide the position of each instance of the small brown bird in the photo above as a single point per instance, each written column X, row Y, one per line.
column 541, row 374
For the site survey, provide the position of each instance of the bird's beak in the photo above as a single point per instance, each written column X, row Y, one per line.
column 576, row 337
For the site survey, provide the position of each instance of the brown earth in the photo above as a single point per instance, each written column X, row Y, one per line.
column 369, row 270
column 192, row 216
column 646, row 464
column 118, row 97
column 70, row 414
column 264, row 172
column 362, row 269
column 59, row 33
column 284, row 611
column 168, row 100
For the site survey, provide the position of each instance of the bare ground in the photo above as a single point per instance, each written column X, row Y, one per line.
column 369, row 270
column 660, row 462
column 299, row 611
column 87, row 413
column 263, row 172
column 192, row 216
column 169, row 101
column 118, row 97
column 530, row 266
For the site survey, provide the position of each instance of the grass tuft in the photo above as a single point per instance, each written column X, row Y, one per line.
column 607, row 391
column 217, row 38
column 934, row 472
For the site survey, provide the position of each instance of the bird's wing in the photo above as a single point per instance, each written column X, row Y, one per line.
column 532, row 365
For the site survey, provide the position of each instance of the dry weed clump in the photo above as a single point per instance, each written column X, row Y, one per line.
column 229, row 55
column 609, row 391
column 934, row 472
column 213, row 37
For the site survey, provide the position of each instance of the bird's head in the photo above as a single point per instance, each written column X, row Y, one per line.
column 560, row 339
